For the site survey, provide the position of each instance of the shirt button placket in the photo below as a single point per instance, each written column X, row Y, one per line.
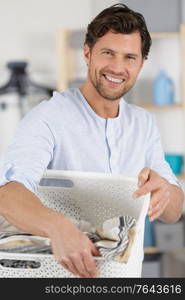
column 111, row 144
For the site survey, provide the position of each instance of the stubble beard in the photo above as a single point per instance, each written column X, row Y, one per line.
column 103, row 91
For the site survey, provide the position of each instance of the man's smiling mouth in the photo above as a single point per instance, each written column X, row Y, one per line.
column 113, row 79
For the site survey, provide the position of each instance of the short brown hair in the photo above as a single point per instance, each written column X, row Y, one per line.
column 119, row 18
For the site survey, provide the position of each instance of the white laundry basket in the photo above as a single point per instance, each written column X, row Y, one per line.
column 93, row 197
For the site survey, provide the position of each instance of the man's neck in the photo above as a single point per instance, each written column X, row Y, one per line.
column 102, row 107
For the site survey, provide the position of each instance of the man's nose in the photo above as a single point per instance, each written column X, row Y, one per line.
column 119, row 66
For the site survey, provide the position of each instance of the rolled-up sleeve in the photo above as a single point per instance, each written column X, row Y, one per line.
column 30, row 153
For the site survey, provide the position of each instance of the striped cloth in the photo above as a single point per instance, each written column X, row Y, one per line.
column 114, row 240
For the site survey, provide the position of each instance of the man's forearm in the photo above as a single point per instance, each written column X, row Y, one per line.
column 173, row 210
column 71, row 247
column 24, row 210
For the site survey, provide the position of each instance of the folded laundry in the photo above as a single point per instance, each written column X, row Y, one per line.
column 114, row 240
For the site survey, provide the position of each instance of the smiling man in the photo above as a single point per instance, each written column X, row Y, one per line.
column 90, row 129
column 113, row 65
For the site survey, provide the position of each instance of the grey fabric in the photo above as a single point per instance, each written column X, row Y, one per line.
column 113, row 239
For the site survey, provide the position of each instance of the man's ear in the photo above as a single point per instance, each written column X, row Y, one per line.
column 87, row 53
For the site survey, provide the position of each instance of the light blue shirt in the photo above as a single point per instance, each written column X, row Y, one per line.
column 65, row 133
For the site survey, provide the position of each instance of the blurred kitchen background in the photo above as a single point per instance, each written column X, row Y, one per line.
column 41, row 51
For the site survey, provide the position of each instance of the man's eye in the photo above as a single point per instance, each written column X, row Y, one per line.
column 107, row 52
column 132, row 57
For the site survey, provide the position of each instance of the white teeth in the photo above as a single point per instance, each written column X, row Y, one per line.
column 117, row 80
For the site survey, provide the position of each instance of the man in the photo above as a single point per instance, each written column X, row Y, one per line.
column 90, row 129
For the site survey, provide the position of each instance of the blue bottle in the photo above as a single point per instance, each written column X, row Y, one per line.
column 149, row 236
column 163, row 89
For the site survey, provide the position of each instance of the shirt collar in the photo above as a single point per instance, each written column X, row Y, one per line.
column 94, row 114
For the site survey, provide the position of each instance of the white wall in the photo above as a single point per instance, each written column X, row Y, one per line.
column 27, row 31
column 98, row 5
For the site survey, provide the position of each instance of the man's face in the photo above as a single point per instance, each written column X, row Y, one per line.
column 114, row 63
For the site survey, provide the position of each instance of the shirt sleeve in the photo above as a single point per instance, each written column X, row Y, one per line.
column 155, row 155
column 29, row 154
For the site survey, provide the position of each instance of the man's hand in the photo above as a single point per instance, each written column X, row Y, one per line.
column 73, row 249
column 151, row 182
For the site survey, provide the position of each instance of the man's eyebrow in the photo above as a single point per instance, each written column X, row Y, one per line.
column 114, row 51
column 107, row 49
column 132, row 54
